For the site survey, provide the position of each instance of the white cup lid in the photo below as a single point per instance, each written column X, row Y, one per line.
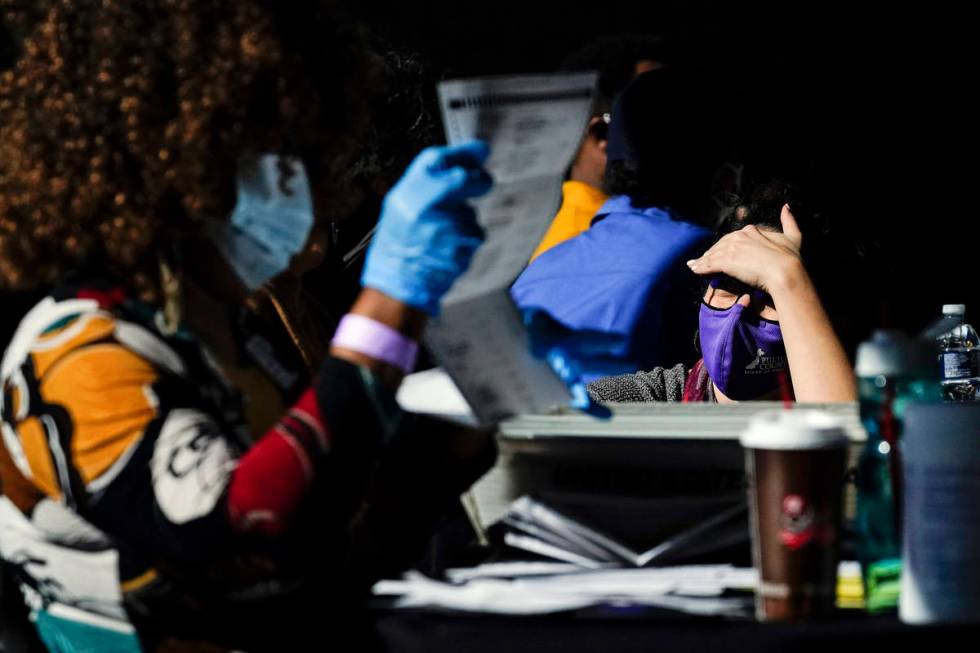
column 794, row 429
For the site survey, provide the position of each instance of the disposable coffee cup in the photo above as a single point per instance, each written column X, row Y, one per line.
column 941, row 514
column 795, row 462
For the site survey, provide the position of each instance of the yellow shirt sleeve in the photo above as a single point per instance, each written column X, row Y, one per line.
column 580, row 203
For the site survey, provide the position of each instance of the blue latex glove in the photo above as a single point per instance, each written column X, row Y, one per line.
column 428, row 232
column 577, row 356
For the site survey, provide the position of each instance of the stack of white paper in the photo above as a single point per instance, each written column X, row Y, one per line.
column 691, row 589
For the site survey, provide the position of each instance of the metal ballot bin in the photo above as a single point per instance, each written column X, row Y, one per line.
column 649, row 471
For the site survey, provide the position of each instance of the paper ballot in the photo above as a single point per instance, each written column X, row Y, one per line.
column 534, row 125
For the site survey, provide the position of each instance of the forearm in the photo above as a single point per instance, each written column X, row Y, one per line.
column 346, row 413
column 390, row 312
column 819, row 367
column 338, row 427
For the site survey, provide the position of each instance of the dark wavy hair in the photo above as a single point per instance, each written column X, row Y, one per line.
column 121, row 122
column 828, row 247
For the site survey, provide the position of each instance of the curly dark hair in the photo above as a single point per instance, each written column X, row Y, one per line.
column 121, row 123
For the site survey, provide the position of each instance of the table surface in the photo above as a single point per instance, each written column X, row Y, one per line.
column 415, row 631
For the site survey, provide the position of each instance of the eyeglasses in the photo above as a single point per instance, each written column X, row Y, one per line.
column 722, row 292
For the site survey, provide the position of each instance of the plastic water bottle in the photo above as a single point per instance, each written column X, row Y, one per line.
column 959, row 356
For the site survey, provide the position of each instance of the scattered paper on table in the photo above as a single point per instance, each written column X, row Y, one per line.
column 691, row 589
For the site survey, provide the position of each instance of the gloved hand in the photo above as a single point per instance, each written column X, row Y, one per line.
column 577, row 356
column 428, row 233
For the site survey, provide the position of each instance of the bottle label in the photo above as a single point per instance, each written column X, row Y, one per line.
column 960, row 364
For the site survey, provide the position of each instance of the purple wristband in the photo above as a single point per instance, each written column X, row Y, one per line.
column 379, row 341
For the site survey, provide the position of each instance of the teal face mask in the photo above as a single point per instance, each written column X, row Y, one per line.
column 267, row 226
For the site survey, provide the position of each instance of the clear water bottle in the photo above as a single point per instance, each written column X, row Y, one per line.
column 959, row 356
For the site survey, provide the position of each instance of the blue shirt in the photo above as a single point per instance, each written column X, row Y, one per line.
column 625, row 275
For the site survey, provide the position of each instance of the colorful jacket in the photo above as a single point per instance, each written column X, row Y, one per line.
column 134, row 442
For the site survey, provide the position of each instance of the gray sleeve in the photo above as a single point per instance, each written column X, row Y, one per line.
column 659, row 384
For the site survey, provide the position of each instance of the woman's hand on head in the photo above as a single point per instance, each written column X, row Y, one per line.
column 757, row 257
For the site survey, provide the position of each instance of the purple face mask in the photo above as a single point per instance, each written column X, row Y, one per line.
column 743, row 353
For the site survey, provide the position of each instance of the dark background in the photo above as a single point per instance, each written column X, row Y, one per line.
column 879, row 97
column 875, row 98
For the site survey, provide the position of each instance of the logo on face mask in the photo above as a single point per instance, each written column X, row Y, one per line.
column 763, row 363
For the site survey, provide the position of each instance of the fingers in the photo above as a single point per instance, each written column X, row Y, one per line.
column 464, row 183
column 456, row 171
column 790, row 229
column 708, row 263
column 465, row 224
column 744, row 249
column 469, row 154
